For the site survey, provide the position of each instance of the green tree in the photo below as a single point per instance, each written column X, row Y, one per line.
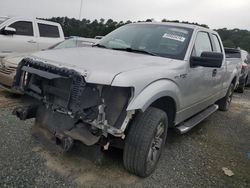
column 228, row 43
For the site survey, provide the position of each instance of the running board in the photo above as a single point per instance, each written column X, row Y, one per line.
column 189, row 124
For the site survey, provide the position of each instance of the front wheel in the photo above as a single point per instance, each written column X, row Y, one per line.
column 145, row 141
column 225, row 102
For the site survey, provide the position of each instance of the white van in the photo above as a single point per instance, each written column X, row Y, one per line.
column 19, row 35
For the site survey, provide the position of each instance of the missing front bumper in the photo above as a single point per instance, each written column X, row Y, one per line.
column 67, row 100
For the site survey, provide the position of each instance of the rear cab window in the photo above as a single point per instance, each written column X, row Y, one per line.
column 49, row 31
column 24, row 28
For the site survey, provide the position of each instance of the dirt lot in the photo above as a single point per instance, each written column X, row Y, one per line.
column 192, row 160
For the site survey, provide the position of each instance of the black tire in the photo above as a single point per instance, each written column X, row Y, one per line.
column 225, row 102
column 247, row 82
column 241, row 89
column 145, row 141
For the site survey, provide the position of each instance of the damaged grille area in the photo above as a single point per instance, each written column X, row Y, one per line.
column 61, row 89
column 70, row 106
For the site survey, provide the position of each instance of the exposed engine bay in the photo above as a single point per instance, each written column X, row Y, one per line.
column 70, row 108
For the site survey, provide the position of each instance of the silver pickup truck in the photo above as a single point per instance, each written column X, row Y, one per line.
column 129, row 89
column 242, row 59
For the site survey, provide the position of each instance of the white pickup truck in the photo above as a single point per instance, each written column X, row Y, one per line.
column 21, row 35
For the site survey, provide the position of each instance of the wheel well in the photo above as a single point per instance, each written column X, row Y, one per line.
column 167, row 104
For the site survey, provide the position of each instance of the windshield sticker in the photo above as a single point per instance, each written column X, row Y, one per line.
column 174, row 37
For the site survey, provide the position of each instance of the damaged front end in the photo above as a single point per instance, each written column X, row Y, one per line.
column 69, row 108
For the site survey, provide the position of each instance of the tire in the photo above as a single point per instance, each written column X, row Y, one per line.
column 247, row 82
column 225, row 102
column 145, row 141
column 241, row 89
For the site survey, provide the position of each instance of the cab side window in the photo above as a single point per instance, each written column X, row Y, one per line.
column 49, row 31
column 202, row 44
column 23, row 28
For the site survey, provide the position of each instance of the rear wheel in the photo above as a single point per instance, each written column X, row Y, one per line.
column 247, row 82
column 241, row 88
column 225, row 102
column 145, row 141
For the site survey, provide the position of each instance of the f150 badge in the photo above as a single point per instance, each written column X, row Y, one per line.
column 181, row 76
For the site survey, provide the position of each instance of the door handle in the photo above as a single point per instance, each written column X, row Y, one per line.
column 214, row 72
column 31, row 41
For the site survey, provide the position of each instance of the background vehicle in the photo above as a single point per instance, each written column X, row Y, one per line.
column 9, row 64
column 19, row 35
column 75, row 42
column 241, row 56
column 130, row 88
column 245, row 71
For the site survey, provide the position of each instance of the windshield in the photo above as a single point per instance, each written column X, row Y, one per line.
column 3, row 19
column 161, row 40
column 72, row 43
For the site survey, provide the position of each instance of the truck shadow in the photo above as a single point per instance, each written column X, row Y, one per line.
column 86, row 165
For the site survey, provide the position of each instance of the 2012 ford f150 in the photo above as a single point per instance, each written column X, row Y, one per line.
column 127, row 90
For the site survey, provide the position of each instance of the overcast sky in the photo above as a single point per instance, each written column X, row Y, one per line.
column 215, row 13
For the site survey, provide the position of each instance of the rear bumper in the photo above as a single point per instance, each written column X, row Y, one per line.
column 7, row 77
column 9, row 89
column 7, row 74
column 6, row 80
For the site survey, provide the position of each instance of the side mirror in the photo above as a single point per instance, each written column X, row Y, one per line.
column 9, row 31
column 207, row 59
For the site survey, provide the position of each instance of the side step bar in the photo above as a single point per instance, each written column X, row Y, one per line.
column 189, row 124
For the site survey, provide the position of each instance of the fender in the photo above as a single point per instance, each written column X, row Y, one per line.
column 154, row 91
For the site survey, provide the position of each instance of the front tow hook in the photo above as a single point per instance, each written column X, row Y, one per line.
column 25, row 112
column 65, row 142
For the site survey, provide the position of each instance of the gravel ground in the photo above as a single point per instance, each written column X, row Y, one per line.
column 195, row 159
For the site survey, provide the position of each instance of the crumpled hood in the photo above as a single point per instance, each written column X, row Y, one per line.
column 98, row 65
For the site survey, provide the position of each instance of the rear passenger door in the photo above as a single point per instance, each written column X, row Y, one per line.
column 218, row 73
column 23, row 41
column 49, row 35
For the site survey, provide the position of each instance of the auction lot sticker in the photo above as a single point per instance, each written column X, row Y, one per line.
column 174, row 37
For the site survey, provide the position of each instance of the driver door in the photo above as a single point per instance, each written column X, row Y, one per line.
column 199, row 82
